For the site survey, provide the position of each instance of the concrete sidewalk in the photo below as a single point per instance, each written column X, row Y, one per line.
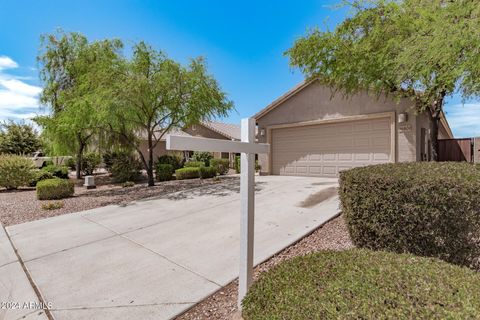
column 154, row 259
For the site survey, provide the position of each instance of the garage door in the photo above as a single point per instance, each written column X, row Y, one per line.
column 326, row 149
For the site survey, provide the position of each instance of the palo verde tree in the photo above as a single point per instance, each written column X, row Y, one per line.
column 425, row 50
column 18, row 138
column 149, row 94
column 71, row 69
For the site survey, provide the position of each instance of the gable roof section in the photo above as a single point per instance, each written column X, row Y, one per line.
column 229, row 130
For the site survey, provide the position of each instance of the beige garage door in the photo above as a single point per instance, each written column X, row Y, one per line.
column 326, row 149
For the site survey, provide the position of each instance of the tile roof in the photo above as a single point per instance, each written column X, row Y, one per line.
column 228, row 130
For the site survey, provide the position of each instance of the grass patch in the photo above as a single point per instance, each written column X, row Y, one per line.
column 53, row 205
column 364, row 284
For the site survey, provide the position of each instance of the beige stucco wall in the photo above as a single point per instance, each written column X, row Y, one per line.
column 201, row 131
column 159, row 150
column 315, row 102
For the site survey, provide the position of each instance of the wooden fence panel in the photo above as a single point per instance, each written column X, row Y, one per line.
column 455, row 150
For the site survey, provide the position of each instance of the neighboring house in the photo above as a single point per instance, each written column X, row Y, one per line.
column 312, row 133
column 210, row 129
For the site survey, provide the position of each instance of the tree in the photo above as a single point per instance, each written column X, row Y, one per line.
column 18, row 138
column 424, row 50
column 71, row 69
column 149, row 94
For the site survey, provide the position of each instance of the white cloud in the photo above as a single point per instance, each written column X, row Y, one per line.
column 18, row 99
column 464, row 119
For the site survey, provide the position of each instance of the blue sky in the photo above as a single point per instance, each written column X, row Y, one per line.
column 243, row 42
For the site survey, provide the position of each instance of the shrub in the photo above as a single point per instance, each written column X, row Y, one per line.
column 90, row 162
column 204, row 157
column 194, row 164
column 364, row 284
column 125, row 167
column 208, row 172
column 71, row 163
column 237, row 164
column 51, row 189
column 128, row 184
column 428, row 209
column 221, row 165
column 258, row 167
column 39, row 175
column 175, row 161
column 52, row 205
column 57, row 171
column 187, row 173
column 15, row 171
column 164, row 172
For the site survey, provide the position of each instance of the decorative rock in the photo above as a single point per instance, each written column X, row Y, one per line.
column 89, row 182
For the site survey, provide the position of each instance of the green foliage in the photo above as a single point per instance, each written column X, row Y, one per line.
column 164, row 171
column 258, row 167
column 57, row 171
column 39, row 175
column 71, row 163
column 221, row 165
column 425, row 208
column 16, row 138
column 194, row 164
column 52, row 205
column 363, row 284
column 128, row 184
column 173, row 160
column 237, row 164
column 187, row 173
column 90, row 162
column 208, row 172
column 51, row 189
column 125, row 167
column 110, row 157
column 204, row 157
column 15, row 171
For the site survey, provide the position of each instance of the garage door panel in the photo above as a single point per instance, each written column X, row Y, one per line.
column 325, row 150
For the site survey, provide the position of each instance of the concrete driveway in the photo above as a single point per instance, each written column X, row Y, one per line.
column 154, row 259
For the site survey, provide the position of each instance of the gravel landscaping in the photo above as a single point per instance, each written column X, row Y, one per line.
column 223, row 304
column 18, row 206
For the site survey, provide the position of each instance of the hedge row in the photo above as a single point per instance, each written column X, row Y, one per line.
column 428, row 209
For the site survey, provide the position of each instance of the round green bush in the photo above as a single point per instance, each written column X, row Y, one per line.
column 57, row 171
column 51, row 189
column 173, row 160
column 90, row 162
column 425, row 208
column 39, row 175
column 221, row 165
column 202, row 156
column 15, row 171
column 164, row 172
column 364, row 284
column 125, row 167
column 208, row 172
column 187, row 173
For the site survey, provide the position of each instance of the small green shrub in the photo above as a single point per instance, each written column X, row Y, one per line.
column 128, row 184
column 258, row 167
column 237, row 164
column 52, row 189
column 52, row 205
column 428, row 209
column 194, row 164
column 90, row 162
column 175, row 161
column 164, row 171
column 187, row 173
column 208, row 172
column 222, row 165
column 39, row 175
column 15, row 171
column 125, row 167
column 364, row 284
column 204, row 157
column 71, row 163
column 57, row 171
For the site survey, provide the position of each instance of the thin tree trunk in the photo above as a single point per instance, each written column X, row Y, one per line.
column 79, row 159
column 151, row 179
column 434, row 138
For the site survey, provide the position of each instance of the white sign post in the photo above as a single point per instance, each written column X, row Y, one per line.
column 248, row 148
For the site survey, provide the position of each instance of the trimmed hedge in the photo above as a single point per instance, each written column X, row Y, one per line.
column 52, row 189
column 194, row 164
column 222, row 165
column 425, row 208
column 57, row 171
column 164, row 172
column 173, row 160
column 187, row 173
column 364, row 284
column 39, row 175
column 208, row 172
column 15, row 171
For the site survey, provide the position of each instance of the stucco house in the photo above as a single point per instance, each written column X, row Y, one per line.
column 206, row 129
column 312, row 133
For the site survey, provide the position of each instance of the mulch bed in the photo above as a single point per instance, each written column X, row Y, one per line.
column 21, row 205
column 223, row 304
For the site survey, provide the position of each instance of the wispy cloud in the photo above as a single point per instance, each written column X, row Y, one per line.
column 18, row 99
column 464, row 119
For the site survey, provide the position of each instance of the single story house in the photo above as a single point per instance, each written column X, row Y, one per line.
column 312, row 133
column 206, row 129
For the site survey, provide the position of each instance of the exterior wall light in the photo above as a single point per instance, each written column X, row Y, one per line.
column 262, row 132
column 402, row 117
